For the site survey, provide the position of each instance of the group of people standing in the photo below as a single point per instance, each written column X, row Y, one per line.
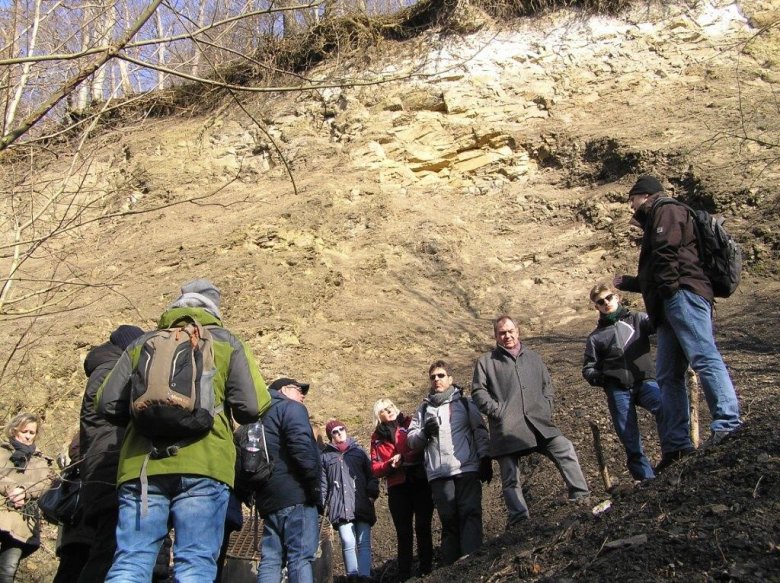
column 436, row 458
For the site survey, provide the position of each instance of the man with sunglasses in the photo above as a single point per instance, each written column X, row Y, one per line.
column 511, row 385
column 451, row 432
column 679, row 300
column 290, row 503
column 617, row 358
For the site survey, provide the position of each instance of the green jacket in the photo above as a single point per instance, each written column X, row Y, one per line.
column 237, row 384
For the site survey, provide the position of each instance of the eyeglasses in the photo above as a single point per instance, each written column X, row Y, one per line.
column 438, row 375
column 605, row 300
column 336, row 430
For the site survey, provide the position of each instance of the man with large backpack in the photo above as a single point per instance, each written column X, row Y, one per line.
column 678, row 298
column 177, row 388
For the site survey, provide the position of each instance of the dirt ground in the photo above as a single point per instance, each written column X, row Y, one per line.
column 425, row 207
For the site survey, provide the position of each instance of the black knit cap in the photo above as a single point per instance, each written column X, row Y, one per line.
column 645, row 185
column 124, row 335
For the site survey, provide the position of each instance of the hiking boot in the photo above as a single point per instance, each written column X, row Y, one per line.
column 671, row 457
column 580, row 499
column 719, row 437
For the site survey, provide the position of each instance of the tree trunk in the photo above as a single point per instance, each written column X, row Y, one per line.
column 13, row 104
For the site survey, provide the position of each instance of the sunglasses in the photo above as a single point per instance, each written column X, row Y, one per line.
column 337, row 430
column 605, row 300
column 438, row 375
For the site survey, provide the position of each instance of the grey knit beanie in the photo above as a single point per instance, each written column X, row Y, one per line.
column 200, row 293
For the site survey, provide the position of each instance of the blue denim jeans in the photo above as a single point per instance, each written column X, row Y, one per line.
column 356, row 547
column 195, row 506
column 622, row 408
column 685, row 336
column 290, row 537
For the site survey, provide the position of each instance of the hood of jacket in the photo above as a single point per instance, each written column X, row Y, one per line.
column 104, row 354
column 203, row 317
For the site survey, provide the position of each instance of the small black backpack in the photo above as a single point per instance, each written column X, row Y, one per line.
column 719, row 253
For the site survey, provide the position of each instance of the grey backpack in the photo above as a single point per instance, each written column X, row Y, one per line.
column 172, row 386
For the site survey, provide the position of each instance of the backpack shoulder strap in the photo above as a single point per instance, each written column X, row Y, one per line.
column 691, row 212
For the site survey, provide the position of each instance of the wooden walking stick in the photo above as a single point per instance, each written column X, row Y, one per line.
column 594, row 427
column 693, row 400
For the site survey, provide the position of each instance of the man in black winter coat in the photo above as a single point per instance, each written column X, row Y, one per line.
column 679, row 299
column 100, row 441
column 290, row 503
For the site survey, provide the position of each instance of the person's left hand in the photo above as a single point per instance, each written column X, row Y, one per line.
column 485, row 470
column 17, row 496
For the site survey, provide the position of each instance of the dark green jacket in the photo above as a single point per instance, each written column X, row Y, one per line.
column 237, row 384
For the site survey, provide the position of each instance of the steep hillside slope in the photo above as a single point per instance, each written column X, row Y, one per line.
column 489, row 177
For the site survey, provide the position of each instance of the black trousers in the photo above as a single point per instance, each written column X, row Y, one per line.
column 11, row 552
column 411, row 507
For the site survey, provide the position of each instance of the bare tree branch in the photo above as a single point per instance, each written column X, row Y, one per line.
column 153, row 41
column 75, row 81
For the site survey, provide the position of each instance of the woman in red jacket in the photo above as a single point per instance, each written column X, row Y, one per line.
column 408, row 492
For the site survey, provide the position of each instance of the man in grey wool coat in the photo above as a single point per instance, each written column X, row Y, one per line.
column 512, row 386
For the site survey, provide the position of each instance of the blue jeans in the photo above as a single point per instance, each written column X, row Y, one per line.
column 685, row 336
column 356, row 547
column 196, row 507
column 290, row 537
column 622, row 408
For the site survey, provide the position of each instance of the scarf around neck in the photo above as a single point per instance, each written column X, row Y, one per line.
column 342, row 447
column 609, row 319
column 21, row 454
column 436, row 399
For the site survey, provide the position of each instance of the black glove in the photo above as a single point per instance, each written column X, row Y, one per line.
column 485, row 470
column 595, row 379
column 431, row 427
column 313, row 498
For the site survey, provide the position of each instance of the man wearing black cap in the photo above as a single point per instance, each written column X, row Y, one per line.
column 290, row 502
column 678, row 297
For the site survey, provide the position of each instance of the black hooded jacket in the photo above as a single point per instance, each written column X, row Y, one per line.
column 99, row 440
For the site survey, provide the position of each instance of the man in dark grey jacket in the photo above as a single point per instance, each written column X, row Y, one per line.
column 512, row 386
